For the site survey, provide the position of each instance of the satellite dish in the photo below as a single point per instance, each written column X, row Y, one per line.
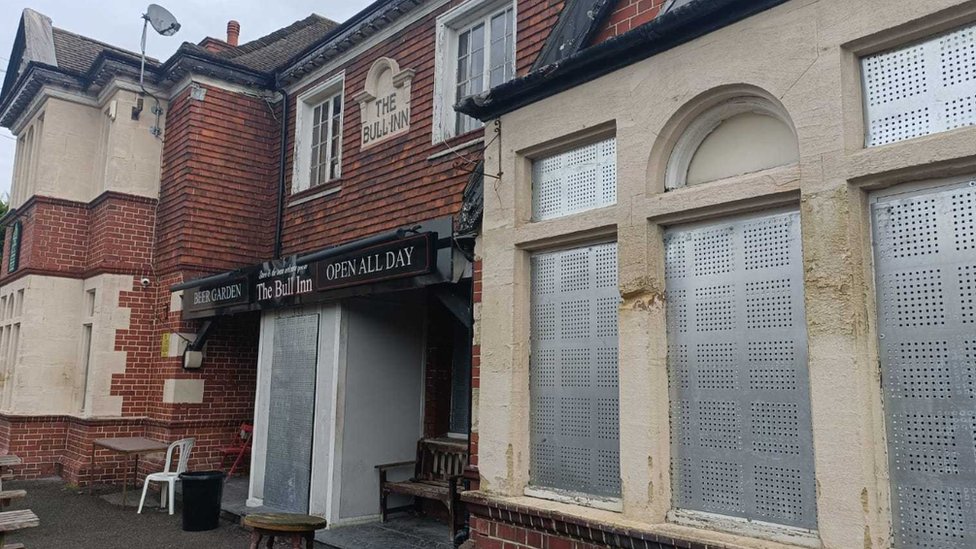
column 162, row 20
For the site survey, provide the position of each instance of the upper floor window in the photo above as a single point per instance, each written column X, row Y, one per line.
column 318, row 139
column 580, row 179
column 475, row 52
column 741, row 136
column 326, row 137
column 13, row 261
column 920, row 89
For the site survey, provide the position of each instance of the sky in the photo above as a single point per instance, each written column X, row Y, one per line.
column 119, row 22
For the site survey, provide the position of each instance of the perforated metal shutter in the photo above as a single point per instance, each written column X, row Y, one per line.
column 925, row 261
column 921, row 89
column 575, row 434
column 741, row 433
column 288, row 465
column 582, row 179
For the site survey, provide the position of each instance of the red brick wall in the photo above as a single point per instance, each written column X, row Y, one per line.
column 121, row 230
column 219, row 183
column 112, row 234
column 438, row 371
column 535, row 21
column 626, row 15
column 496, row 535
column 395, row 184
column 475, row 360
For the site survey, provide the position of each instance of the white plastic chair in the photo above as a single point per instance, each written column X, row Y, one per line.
column 167, row 476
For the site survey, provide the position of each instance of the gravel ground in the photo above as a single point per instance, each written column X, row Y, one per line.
column 72, row 519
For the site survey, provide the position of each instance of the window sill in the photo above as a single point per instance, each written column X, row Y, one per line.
column 615, row 505
column 443, row 145
column 602, row 527
column 314, row 193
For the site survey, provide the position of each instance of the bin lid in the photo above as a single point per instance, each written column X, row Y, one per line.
column 203, row 475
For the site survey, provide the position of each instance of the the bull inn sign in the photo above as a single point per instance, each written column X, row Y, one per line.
column 277, row 283
column 384, row 103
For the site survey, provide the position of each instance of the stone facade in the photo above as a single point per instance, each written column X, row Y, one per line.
column 804, row 57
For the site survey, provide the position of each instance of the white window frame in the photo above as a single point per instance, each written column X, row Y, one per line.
column 449, row 25
column 305, row 107
column 695, row 134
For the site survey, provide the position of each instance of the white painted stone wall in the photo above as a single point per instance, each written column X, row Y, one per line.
column 802, row 55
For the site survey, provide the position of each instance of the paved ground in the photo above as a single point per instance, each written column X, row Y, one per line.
column 71, row 519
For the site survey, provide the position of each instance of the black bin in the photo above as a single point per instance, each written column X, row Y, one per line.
column 202, row 491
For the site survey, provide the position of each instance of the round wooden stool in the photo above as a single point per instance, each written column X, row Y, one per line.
column 284, row 525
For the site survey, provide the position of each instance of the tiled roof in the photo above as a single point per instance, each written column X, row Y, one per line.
column 78, row 53
column 271, row 51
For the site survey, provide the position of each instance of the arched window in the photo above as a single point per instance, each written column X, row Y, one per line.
column 740, row 136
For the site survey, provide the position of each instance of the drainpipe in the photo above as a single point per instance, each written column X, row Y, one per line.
column 281, row 169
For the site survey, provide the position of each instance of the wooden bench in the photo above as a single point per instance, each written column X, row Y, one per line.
column 6, row 496
column 11, row 521
column 439, row 465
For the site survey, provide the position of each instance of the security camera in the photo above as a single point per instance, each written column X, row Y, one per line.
column 145, row 282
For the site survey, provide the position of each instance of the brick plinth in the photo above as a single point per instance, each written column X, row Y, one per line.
column 498, row 524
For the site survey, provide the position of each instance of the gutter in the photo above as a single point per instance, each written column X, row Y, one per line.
column 674, row 28
column 281, row 170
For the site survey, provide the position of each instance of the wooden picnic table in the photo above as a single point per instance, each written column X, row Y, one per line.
column 11, row 521
column 285, row 525
column 127, row 446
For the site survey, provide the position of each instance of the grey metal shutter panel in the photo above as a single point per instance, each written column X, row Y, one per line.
column 921, row 89
column 575, row 431
column 925, row 262
column 288, row 468
column 575, row 181
column 741, row 431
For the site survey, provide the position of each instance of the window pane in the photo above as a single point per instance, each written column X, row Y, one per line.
column 478, row 38
column 315, row 175
column 739, row 397
column 317, row 116
column 462, row 69
column 336, row 105
column 498, row 27
column 497, row 76
column 574, row 396
column 463, row 43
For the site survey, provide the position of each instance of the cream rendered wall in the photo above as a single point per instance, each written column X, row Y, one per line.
column 42, row 376
column 47, row 376
column 85, row 150
column 105, row 361
column 133, row 155
column 803, row 55
column 67, row 155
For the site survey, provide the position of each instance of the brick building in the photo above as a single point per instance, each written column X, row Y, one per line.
column 168, row 246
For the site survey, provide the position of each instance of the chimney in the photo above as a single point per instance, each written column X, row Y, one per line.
column 233, row 32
